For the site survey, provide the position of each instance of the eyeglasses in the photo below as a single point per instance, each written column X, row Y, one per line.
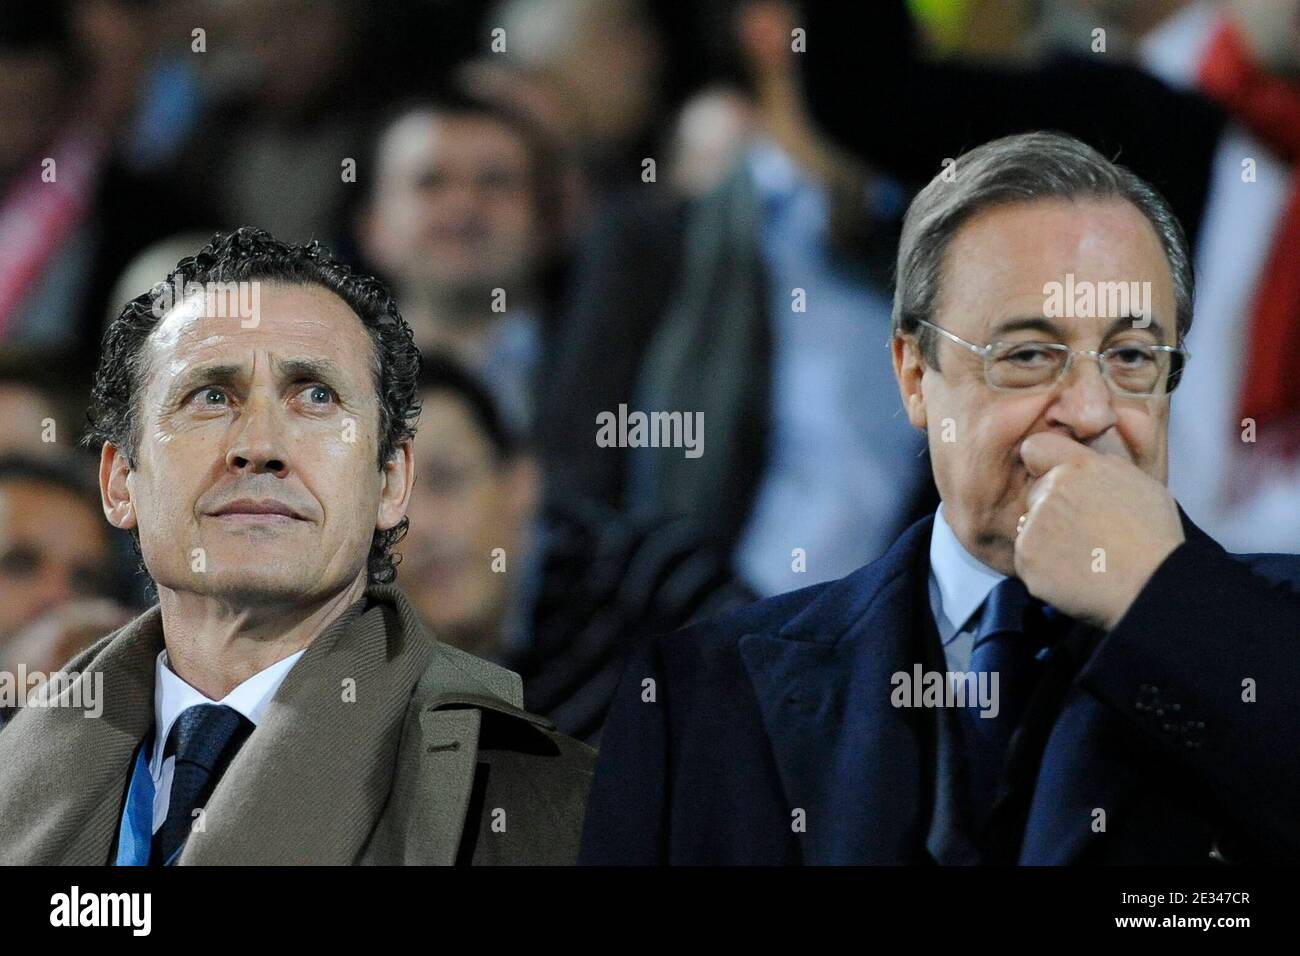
column 1131, row 369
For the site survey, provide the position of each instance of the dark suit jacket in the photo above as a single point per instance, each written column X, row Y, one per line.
column 780, row 712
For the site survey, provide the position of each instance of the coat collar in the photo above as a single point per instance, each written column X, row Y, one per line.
column 309, row 784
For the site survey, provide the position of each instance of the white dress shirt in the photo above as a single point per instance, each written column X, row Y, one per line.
column 959, row 585
column 172, row 696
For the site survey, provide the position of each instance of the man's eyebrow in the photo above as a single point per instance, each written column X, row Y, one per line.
column 1126, row 323
column 1048, row 327
column 191, row 378
column 297, row 369
column 1030, row 323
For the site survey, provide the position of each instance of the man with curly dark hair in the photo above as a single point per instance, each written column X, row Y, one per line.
column 282, row 703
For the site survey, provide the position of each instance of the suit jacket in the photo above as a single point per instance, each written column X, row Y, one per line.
column 692, row 333
column 768, row 735
column 712, row 353
column 380, row 746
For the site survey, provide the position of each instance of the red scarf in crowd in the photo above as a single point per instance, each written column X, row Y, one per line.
column 1269, row 108
column 38, row 217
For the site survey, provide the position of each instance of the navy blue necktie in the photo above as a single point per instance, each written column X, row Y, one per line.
column 1014, row 627
column 204, row 739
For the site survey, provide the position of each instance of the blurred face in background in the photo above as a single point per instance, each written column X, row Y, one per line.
column 613, row 65
column 467, row 502
column 994, row 273
column 52, row 549
column 23, row 415
column 455, row 204
column 602, row 58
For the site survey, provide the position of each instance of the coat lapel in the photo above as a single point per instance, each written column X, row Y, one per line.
column 846, row 756
column 310, row 783
column 65, row 773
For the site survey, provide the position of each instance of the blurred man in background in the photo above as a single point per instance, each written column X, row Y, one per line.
column 762, row 304
column 561, row 596
column 53, row 543
column 460, row 215
column 472, row 515
column 58, row 581
column 64, row 577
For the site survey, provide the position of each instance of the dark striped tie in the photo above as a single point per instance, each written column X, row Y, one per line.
column 204, row 739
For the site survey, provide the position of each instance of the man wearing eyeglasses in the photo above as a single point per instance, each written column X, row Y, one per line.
column 1056, row 667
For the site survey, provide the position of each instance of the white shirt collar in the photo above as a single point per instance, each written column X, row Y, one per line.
column 964, row 581
column 172, row 695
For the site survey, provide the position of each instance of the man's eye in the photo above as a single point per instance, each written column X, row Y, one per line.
column 20, row 562
column 210, row 396
column 1029, row 355
column 319, row 394
column 500, row 179
column 1132, row 357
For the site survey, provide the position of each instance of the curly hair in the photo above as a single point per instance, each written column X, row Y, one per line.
column 249, row 254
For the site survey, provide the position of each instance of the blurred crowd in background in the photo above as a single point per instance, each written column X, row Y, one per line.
column 582, row 204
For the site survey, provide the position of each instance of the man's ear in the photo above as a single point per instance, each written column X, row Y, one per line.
column 114, row 491
column 909, row 369
column 395, row 494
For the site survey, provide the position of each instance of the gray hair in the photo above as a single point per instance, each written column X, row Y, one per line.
column 1017, row 169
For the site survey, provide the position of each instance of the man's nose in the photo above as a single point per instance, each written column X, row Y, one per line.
column 462, row 203
column 258, row 445
column 1085, row 403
